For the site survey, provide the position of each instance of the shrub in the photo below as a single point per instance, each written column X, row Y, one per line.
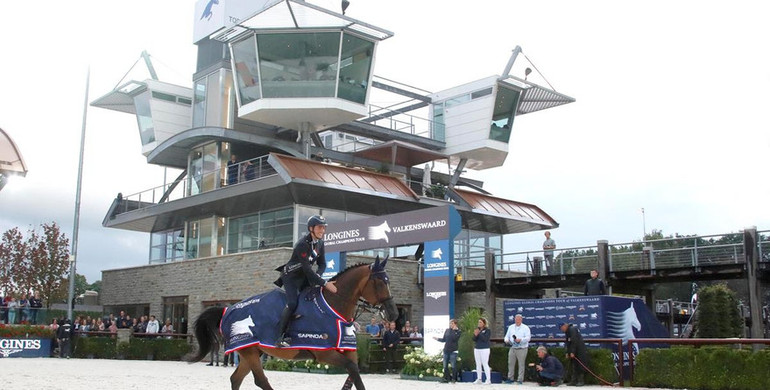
column 467, row 322
column 717, row 313
column 26, row 331
column 276, row 364
column 363, row 343
column 99, row 347
column 418, row 363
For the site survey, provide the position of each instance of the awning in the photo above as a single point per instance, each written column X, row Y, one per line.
column 11, row 162
column 399, row 153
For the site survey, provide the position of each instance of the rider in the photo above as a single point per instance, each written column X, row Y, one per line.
column 298, row 272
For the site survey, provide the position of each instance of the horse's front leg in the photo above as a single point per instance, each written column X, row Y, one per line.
column 339, row 359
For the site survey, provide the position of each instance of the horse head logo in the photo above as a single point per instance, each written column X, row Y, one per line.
column 379, row 232
column 207, row 11
column 622, row 324
column 242, row 327
column 436, row 254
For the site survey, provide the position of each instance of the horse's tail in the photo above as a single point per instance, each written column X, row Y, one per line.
column 207, row 333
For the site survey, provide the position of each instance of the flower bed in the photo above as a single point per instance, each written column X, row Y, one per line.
column 420, row 366
column 26, row 331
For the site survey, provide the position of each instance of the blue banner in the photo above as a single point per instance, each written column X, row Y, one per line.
column 25, row 347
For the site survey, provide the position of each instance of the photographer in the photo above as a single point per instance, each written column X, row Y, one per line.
column 550, row 370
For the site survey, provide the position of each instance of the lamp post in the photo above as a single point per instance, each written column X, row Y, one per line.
column 75, row 228
column 644, row 226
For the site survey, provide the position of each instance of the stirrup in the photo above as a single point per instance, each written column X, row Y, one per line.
column 283, row 342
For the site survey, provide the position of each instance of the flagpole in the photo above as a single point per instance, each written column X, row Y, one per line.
column 76, row 224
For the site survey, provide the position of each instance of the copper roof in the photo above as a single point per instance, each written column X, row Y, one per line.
column 399, row 153
column 506, row 208
column 357, row 179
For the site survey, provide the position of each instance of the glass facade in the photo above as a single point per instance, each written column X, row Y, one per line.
column 144, row 117
column 506, row 103
column 298, row 65
column 204, row 169
column 214, row 100
column 355, row 66
column 167, row 246
column 267, row 229
column 288, row 65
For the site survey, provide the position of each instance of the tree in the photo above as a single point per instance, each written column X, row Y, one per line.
column 13, row 252
column 717, row 313
column 96, row 286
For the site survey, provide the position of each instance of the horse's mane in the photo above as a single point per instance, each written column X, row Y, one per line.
column 335, row 277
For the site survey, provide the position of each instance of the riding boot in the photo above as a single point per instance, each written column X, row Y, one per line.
column 283, row 324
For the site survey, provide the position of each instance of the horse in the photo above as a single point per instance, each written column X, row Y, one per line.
column 361, row 281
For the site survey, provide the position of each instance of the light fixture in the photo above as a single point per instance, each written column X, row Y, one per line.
column 345, row 5
column 527, row 72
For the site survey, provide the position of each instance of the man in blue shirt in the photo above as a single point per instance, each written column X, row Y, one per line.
column 373, row 329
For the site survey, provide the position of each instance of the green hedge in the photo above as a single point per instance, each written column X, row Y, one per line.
column 137, row 349
column 702, row 368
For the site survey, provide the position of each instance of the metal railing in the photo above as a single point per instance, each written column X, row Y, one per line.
column 405, row 123
column 566, row 261
column 199, row 182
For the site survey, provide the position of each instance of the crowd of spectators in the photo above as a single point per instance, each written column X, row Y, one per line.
column 24, row 310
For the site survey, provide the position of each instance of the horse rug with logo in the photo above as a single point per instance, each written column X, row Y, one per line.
column 254, row 321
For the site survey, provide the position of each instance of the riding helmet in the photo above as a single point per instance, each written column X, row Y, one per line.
column 315, row 221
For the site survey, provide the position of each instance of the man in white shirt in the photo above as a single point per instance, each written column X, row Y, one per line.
column 517, row 337
column 153, row 326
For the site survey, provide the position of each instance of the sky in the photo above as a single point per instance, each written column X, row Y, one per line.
column 669, row 114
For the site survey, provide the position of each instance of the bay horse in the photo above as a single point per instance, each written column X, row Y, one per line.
column 367, row 281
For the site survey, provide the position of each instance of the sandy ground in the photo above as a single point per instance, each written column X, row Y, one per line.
column 51, row 373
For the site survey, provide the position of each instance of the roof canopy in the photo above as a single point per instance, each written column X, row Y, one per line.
column 399, row 153
column 11, row 162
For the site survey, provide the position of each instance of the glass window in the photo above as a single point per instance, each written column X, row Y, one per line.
column 163, row 96
column 298, row 65
column 205, row 237
column 438, row 122
column 144, row 118
column 275, row 227
column 502, row 118
column 195, row 172
column 243, row 234
column 175, row 310
column 199, row 106
column 192, row 240
column 355, row 65
column 458, row 100
column 246, row 69
column 210, row 168
column 166, row 246
column 482, row 93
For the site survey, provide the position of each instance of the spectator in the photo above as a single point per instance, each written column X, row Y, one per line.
column 384, row 327
column 136, row 326
column 517, row 336
column 55, row 328
column 167, row 327
column 12, row 307
column 594, row 286
column 548, row 246
column 64, row 335
column 576, row 350
column 25, row 307
column 113, row 328
column 153, row 326
column 390, row 341
column 123, row 323
column 373, row 329
column 450, row 340
column 214, row 355
column 99, row 325
column 3, row 310
column 232, row 170
column 108, row 322
column 36, row 304
column 415, row 335
column 481, row 337
column 550, row 370
column 144, row 320
column 250, row 171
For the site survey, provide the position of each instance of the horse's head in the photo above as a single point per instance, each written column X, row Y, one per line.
column 376, row 291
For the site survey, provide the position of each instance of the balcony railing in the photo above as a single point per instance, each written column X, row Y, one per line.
column 199, row 182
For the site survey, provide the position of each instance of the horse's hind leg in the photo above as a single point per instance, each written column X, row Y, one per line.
column 240, row 372
column 251, row 358
column 339, row 360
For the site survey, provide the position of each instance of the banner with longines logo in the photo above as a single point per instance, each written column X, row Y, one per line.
column 407, row 228
column 25, row 347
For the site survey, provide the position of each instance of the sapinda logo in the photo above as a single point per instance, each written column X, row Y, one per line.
column 317, row 336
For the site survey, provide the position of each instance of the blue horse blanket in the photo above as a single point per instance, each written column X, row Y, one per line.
column 254, row 321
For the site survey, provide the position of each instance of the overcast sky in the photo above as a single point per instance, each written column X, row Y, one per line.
column 669, row 115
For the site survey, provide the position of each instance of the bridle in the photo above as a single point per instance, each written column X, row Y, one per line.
column 365, row 307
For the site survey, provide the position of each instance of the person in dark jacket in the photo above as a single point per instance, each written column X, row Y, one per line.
column 550, row 370
column 450, row 339
column 64, row 334
column 481, row 337
column 576, row 350
column 594, row 286
column 298, row 272
column 390, row 340
column 36, row 304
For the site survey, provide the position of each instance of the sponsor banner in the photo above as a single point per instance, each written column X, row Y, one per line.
column 435, row 325
column 438, row 296
column 332, row 265
column 213, row 15
column 431, row 224
column 438, row 259
column 25, row 348
column 595, row 316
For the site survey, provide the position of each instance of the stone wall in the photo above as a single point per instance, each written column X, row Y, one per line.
column 235, row 277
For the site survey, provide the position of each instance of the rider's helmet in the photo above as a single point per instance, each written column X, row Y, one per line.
column 315, row 221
